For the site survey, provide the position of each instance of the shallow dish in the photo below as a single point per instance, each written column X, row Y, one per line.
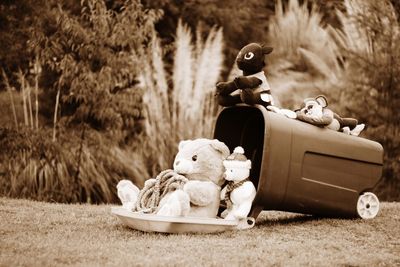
column 154, row 223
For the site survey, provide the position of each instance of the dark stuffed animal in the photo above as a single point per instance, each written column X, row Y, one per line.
column 315, row 111
column 251, row 88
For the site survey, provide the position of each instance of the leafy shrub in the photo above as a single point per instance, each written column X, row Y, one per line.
column 91, row 63
column 371, row 31
column 16, row 20
column 32, row 166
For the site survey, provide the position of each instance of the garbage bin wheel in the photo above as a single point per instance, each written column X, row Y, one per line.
column 367, row 205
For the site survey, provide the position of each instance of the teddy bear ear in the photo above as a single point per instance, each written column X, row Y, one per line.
column 322, row 101
column 221, row 147
column 266, row 49
column 183, row 144
column 248, row 164
column 306, row 101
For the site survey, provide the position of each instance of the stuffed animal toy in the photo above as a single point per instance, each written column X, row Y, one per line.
column 127, row 193
column 315, row 111
column 198, row 175
column 240, row 192
column 252, row 87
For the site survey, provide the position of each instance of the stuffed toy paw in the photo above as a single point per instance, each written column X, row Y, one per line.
column 286, row 112
column 195, row 199
column 355, row 131
column 175, row 204
column 223, row 87
column 201, row 193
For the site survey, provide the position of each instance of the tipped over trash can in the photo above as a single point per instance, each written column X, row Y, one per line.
column 298, row 167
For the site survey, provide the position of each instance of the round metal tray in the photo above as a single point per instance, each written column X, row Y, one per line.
column 154, row 223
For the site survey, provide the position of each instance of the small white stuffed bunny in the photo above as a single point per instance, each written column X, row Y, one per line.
column 240, row 192
column 127, row 193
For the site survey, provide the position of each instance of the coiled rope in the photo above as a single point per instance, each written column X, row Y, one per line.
column 151, row 194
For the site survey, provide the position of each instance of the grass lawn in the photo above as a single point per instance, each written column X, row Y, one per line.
column 49, row 234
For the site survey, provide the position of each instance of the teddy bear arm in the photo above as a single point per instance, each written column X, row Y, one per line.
column 229, row 100
column 327, row 116
column 349, row 122
column 244, row 201
column 324, row 120
column 226, row 88
column 249, row 97
column 174, row 204
column 201, row 193
column 246, row 193
column 244, row 82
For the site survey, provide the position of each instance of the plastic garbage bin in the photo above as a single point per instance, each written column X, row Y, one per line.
column 298, row 167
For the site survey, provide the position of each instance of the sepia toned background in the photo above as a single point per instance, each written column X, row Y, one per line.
column 95, row 91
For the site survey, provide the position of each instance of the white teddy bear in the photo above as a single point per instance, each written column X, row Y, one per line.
column 240, row 192
column 200, row 163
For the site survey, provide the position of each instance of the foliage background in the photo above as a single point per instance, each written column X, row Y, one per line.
column 98, row 91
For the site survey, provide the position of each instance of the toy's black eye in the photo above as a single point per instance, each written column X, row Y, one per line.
column 249, row 55
column 309, row 106
column 194, row 158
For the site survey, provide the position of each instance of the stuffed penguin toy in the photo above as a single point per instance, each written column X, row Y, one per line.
column 252, row 87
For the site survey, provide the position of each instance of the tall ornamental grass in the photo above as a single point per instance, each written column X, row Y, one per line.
column 28, row 92
column 306, row 59
column 180, row 105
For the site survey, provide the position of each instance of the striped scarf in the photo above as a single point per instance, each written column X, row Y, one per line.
column 229, row 188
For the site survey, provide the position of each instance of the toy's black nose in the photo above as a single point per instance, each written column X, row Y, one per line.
column 306, row 111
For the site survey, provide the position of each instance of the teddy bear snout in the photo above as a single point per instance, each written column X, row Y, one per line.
column 228, row 175
column 183, row 166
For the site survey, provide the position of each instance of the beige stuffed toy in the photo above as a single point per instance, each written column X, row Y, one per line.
column 199, row 161
column 240, row 192
column 315, row 111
